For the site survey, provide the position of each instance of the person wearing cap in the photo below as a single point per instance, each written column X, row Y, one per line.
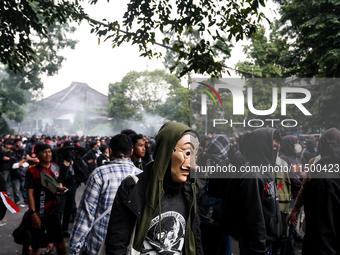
column 42, row 202
column 65, row 158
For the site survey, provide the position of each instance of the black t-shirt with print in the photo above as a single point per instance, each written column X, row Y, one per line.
column 169, row 238
column 44, row 200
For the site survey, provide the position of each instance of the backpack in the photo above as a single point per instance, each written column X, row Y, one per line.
column 80, row 169
column 209, row 208
column 22, row 234
column 283, row 185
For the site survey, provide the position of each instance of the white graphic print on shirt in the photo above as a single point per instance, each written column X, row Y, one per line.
column 170, row 239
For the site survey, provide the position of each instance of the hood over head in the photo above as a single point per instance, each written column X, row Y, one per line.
column 330, row 136
column 166, row 140
column 310, row 145
column 287, row 145
column 258, row 146
column 287, row 152
column 217, row 148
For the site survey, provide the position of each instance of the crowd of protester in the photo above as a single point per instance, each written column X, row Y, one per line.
column 139, row 197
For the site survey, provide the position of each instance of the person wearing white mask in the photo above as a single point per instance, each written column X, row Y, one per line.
column 297, row 148
column 290, row 152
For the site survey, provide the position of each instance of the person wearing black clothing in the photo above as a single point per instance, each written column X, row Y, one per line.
column 214, row 241
column 29, row 146
column 290, row 153
column 162, row 204
column 310, row 150
column 17, row 145
column 147, row 156
column 43, row 203
column 104, row 157
column 250, row 206
column 138, row 146
column 66, row 158
column 7, row 161
column 128, row 132
column 80, row 150
column 18, row 172
column 233, row 151
column 151, row 148
column 90, row 157
column 3, row 208
column 322, row 199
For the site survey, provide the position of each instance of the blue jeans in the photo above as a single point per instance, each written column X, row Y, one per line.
column 17, row 187
column 224, row 248
column 16, row 190
column 23, row 190
column 7, row 178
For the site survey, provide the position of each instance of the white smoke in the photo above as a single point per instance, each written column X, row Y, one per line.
column 149, row 125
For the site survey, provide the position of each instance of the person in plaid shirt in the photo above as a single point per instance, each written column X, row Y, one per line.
column 98, row 197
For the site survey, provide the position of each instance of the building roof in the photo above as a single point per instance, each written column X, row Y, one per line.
column 76, row 97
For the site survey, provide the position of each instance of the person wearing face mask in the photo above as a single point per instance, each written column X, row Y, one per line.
column 98, row 145
column 290, row 153
column 73, row 171
column 250, row 208
column 284, row 192
column 310, row 150
column 159, row 211
column 104, row 156
column 209, row 206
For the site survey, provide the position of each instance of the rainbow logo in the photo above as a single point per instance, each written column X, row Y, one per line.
column 213, row 90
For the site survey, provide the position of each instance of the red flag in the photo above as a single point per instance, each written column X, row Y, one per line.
column 11, row 206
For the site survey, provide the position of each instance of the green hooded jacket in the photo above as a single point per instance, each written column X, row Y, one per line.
column 166, row 141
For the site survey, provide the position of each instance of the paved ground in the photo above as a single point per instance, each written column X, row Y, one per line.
column 11, row 221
